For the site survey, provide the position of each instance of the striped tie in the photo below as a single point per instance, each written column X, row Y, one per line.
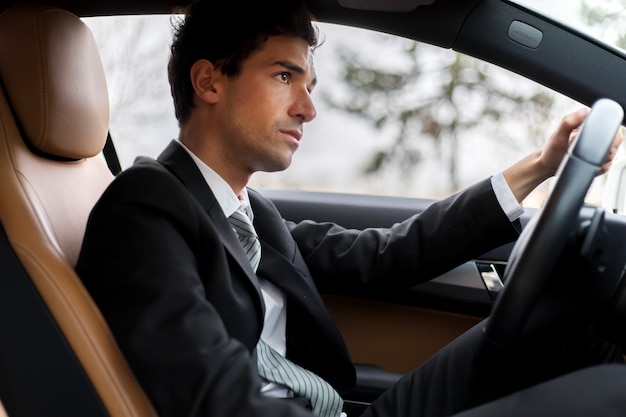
column 325, row 401
column 247, row 236
column 274, row 367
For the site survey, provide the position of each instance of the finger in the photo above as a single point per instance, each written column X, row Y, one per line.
column 609, row 159
column 574, row 134
column 619, row 138
column 570, row 124
column 575, row 120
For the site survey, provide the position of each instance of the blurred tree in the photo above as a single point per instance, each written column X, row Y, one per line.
column 431, row 100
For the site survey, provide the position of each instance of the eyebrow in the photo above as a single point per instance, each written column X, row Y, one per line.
column 296, row 68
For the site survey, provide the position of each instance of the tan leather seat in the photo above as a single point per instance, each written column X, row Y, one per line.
column 54, row 116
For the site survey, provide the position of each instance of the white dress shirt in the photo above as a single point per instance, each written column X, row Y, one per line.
column 511, row 207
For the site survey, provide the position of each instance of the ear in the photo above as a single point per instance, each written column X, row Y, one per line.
column 204, row 76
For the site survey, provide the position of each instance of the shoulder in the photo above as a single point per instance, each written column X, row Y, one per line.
column 145, row 169
column 146, row 182
column 147, row 173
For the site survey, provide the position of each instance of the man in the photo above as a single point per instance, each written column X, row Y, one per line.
column 199, row 310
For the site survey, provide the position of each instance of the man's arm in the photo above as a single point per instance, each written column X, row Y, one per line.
column 447, row 233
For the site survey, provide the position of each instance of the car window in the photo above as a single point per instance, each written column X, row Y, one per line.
column 395, row 117
column 601, row 19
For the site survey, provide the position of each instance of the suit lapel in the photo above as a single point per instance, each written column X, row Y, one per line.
column 281, row 262
column 178, row 161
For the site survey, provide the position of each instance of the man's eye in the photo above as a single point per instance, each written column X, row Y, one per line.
column 284, row 77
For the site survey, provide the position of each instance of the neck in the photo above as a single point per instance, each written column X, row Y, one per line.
column 211, row 154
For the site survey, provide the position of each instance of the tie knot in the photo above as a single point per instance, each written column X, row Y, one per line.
column 247, row 236
column 242, row 223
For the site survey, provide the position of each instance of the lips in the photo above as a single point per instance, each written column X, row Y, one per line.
column 296, row 134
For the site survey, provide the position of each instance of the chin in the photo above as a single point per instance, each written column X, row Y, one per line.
column 276, row 166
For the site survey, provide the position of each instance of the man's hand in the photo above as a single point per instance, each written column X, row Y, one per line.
column 532, row 170
column 554, row 150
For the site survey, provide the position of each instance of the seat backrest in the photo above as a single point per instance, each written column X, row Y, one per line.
column 54, row 116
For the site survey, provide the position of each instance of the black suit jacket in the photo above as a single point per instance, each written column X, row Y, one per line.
column 163, row 264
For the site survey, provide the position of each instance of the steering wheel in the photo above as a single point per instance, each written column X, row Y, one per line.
column 536, row 251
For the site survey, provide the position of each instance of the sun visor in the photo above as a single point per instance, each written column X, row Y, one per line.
column 384, row 5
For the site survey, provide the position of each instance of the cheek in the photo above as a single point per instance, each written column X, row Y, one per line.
column 257, row 111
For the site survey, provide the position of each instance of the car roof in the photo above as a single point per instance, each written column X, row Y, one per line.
column 438, row 23
column 102, row 7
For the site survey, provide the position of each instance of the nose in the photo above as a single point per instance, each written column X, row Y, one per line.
column 303, row 108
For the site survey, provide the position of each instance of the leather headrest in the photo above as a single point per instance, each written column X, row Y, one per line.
column 53, row 76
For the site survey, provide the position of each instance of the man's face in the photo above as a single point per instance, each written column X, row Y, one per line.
column 265, row 107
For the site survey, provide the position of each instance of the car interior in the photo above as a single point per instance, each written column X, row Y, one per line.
column 61, row 358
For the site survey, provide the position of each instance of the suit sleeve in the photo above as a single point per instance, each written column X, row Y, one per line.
column 443, row 236
column 139, row 262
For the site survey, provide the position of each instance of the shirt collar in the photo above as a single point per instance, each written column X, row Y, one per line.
column 224, row 194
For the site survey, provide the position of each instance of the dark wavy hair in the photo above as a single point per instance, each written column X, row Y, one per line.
column 226, row 32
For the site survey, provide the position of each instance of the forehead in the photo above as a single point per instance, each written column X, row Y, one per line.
column 284, row 48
